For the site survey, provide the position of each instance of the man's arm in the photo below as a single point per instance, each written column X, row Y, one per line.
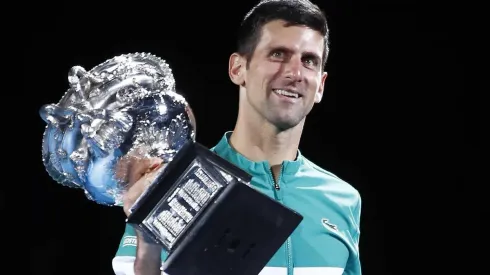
column 137, row 258
column 145, row 256
column 354, row 264
column 148, row 257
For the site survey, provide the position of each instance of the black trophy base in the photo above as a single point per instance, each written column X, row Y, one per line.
column 240, row 232
column 210, row 223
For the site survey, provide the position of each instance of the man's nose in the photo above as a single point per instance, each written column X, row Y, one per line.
column 293, row 69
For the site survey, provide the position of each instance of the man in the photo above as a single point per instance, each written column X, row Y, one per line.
column 279, row 69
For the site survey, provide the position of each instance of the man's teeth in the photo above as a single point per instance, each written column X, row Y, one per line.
column 286, row 93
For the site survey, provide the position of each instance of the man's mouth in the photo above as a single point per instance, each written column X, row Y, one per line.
column 286, row 93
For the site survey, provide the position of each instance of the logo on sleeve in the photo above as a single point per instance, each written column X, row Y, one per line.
column 129, row 241
column 327, row 224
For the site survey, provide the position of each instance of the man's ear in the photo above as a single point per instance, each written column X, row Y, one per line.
column 319, row 93
column 236, row 69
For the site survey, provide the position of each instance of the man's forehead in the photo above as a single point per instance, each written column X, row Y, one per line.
column 279, row 33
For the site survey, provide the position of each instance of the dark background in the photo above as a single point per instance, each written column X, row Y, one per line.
column 381, row 125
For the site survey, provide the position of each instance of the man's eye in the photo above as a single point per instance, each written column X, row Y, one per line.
column 311, row 61
column 277, row 54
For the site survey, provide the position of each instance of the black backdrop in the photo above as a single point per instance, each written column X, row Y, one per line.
column 369, row 129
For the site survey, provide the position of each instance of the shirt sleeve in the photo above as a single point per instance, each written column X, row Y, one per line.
column 123, row 261
column 357, row 223
column 354, row 263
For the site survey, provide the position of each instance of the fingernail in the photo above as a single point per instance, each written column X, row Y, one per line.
column 154, row 166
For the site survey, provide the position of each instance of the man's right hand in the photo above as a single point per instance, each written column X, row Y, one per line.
column 138, row 174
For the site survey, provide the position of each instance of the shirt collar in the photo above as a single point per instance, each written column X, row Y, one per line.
column 226, row 151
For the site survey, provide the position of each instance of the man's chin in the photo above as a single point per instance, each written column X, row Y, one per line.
column 286, row 123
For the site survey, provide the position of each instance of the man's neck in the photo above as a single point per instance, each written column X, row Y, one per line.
column 262, row 142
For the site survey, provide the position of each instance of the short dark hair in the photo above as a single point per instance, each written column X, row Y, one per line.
column 294, row 12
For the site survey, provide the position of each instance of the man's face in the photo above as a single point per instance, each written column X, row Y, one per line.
column 284, row 78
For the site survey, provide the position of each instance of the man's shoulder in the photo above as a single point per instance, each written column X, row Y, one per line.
column 330, row 178
column 337, row 194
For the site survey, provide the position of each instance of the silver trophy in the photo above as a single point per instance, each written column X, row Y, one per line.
column 125, row 106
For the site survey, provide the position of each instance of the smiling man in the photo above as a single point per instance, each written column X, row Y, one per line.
column 279, row 70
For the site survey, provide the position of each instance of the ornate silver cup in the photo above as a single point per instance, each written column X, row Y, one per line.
column 126, row 104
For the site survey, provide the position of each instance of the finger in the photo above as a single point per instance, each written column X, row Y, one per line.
column 154, row 164
column 136, row 189
column 137, row 169
column 125, row 166
column 141, row 167
column 148, row 177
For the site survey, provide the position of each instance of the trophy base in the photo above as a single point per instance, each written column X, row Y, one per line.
column 238, row 234
column 203, row 212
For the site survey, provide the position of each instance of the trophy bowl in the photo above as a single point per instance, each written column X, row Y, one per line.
column 125, row 106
